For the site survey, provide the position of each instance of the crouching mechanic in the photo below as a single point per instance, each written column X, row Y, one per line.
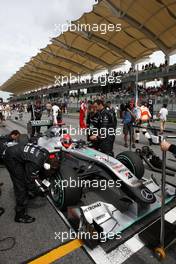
column 23, row 163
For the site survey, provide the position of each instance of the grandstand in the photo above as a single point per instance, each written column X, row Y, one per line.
column 164, row 93
column 140, row 32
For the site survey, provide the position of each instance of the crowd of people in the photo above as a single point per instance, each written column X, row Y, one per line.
column 136, row 119
column 100, row 120
column 35, row 109
column 153, row 90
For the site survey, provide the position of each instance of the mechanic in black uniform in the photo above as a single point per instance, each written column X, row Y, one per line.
column 92, row 125
column 13, row 136
column 23, row 162
column 112, row 113
column 166, row 146
column 36, row 114
column 106, row 129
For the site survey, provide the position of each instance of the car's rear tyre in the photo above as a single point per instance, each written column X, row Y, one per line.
column 64, row 189
column 133, row 162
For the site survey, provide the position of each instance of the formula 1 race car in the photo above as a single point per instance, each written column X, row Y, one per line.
column 104, row 193
column 80, row 165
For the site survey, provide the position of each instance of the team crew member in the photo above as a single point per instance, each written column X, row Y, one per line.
column 48, row 108
column 57, row 116
column 144, row 118
column 12, row 137
column 82, row 115
column 36, row 114
column 1, row 114
column 92, row 125
column 163, row 113
column 166, row 146
column 128, row 121
column 23, row 163
column 106, row 129
column 7, row 111
column 112, row 112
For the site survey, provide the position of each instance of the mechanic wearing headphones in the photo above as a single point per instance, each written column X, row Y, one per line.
column 23, row 162
column 166, row 146
column 106, row 129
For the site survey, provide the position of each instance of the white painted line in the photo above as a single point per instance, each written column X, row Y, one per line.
column 98, row 255
column 134, row 244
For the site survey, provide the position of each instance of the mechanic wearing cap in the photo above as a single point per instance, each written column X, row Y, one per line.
column 23, row 162
column 106, row 129
column 166, row 146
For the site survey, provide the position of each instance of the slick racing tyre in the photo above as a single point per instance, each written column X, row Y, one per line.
column 65, row 189
column 133, row 162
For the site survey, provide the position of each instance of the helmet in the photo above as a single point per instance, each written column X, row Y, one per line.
column 66, row 140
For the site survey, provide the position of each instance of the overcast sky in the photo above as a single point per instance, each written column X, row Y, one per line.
column 28, row 25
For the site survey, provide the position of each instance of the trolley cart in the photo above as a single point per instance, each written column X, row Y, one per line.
column 161, row 234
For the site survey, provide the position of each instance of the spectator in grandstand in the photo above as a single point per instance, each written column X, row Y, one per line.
column 128, row 121
column 163, row 113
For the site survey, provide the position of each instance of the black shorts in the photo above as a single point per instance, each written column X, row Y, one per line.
column 128, row 128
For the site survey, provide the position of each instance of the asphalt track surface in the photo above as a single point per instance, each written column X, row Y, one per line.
column 36, row 238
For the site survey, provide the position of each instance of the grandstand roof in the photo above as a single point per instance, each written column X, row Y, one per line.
column 146, row 26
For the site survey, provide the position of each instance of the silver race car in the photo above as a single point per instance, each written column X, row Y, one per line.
column 108, row 194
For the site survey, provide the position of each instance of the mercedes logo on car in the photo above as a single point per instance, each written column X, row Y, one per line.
column 147, row 194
